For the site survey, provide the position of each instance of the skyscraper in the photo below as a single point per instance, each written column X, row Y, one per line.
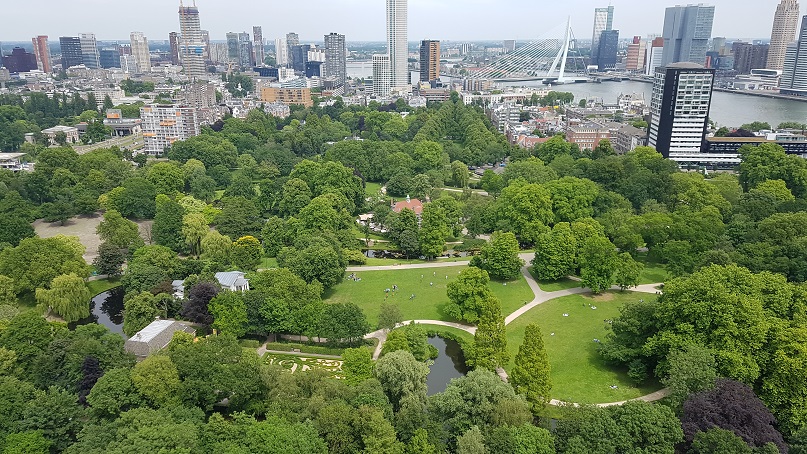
column 257, row 45
column 397, row 42
column 603, row 21
column 109, row 57
column 42, row 53
column 429, row 60
column 794, row 75
column 654, row 53
column 687, row 30
column 206, row 40
column 785, row 22
column 382, row 75
column 749, row 56
column 336, row 58
column 679, row 109
column 608, row 48
column 89, row 51
column 71, row 51
column 232, row 47
column 245, row 57
column 140, row 51
column 281, row 52
column 192, row 47
column 173, row 40
column 299, row 57
column 292, row 40
column 636, row 54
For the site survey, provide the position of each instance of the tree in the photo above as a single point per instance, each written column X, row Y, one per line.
column 194, row 229
column 719, row 441
column 733, row 406
column 37, row 261
column 114, row 393
column 500, row 257
column 32, row 442
column 195, row 308
column 157, row 379
column 490, row 339
column 401, row 376
column 68, row 297
column 691, row 370
column 7, row 294
column 138, row 311
column 468, row 294
column 476, row 399
column 525, row 208
column 389, row 316
column 472, row 442
column 357, row 365
column 319, row 261
column 627, row 271
column 420, row 444
column 239, row 217
column 459, row 174
column 216, row 247
column 521, row 439
column 246, row 253
column 167, row 178
column 56, row 414
column 120, row 232
column 167, row 228
column 555, row 253
column 229, row 313
column 137, row 200
column 531, row 373
column 110, row 259
column 343, row 323
column 15, row 229
column 433, row 231
column 210, row 149
column 597, row 263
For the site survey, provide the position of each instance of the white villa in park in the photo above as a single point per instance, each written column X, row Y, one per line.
column 233, row 281
column 11, row 161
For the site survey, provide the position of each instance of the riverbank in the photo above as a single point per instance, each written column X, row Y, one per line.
column 757, row 93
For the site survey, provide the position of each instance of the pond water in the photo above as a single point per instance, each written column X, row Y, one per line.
column 450, row 363
column 106, row 309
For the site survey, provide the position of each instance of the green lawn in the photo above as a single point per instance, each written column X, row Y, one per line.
column 578, row 372
column 103, row 285
column 654, row 272
column 430, row 292
column 373, row 189
column 393, row 262
column 267, row 263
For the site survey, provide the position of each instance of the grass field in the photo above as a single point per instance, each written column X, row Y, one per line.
column 578, row 372
column 267, row 263
column 392, row 262
column 103, row 285
column 373, row 189
column 429, row 290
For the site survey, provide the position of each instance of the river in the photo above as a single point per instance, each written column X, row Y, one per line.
column 728, row 109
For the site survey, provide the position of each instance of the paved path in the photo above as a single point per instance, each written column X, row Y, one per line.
column 653, row 397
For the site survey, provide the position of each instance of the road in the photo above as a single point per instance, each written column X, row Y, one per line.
column 122, row 142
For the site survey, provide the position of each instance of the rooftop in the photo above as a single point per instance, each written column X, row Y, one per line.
column 59, row 128
column 154, row 328
column 10, row 156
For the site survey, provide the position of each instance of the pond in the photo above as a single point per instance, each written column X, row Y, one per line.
column 450, row 363
column 106, row 309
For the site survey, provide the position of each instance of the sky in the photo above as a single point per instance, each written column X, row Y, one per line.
column 363, row 20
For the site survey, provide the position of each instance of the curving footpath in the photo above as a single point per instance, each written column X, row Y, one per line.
column 541, row 297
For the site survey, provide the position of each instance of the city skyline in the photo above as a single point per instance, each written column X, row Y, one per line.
column 477, row 20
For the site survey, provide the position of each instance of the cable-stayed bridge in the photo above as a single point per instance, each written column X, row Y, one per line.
column 549, row 59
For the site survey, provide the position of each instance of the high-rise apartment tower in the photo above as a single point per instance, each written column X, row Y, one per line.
column 397, row 42
column 140, row 51
column 785, row 22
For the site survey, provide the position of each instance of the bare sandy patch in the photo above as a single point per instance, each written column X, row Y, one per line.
column 84, row 228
